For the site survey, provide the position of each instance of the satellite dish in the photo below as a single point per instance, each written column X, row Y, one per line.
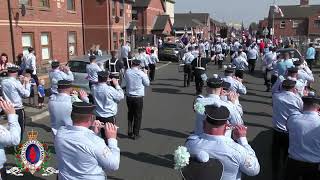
column 23, row 10
column 117, row 19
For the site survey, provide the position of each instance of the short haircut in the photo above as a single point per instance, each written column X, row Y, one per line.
column 102, row 79
column 76, row 117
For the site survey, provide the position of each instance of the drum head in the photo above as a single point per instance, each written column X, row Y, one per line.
column 211, row 170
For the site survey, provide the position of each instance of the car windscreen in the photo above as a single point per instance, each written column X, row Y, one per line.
column 78, row 66
column 170, row 46
column 293, row 53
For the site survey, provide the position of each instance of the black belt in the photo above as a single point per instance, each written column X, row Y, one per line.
column 134, row 96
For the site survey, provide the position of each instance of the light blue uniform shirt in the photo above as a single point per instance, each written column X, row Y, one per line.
column 145, row 59
column 253, row 53
column 154, row 59
column 106, row 99
column 283, row 66
column 82, row 155
column 306, row 75
column 300, row 85
column 284, row 104
column 14, row 91
column 136, row 81
column 304, row 134
column 188, row 58
column 311, row 53
column 240, row 63
column 236, row 158
column 60, row 108
column 92, row 70
column 236, row 86
column 56, row 75
column 235, row 111
column 9, row 136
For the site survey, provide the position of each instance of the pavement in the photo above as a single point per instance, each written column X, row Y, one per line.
column 168, row 119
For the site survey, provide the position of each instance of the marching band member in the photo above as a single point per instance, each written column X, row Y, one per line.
column 236, row 82
column 236, row 157
column 106, row 98
column 215, row 87
column 13, row 91
column 81, row 154
column 92, row 69
column 59, row 73
column 136, row 80
column 304, row 154
column 60, row 105
column 284, row 104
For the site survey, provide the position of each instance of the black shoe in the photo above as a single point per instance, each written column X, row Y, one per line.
column 131, row 135
column 136, row 137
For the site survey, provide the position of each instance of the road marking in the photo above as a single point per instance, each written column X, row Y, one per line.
column 40, row 116
column 157, row 68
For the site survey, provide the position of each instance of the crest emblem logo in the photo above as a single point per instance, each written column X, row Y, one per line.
column 32, row 156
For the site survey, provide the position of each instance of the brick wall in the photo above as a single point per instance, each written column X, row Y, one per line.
column 100, row 25
column 288, row 30
column 312, row 28
column 56, row 20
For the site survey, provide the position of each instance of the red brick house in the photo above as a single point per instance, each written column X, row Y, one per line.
column 194, row 23
column 52, row 27
column 151, row 20
column 217, row 27
column 106, row 22
column 299, row 20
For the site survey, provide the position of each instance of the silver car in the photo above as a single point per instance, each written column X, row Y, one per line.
column 78, row 67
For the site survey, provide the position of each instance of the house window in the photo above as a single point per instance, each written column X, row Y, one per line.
column 71, row 6
column 317, row 23
column 115, row 40
column 45, row 45
column 295, row 24
column 134, row 14
column 121, row 10
column 44, row 3
column 121, row 36
column 26, row 2
column 282, row 24
column 72, row 43
column 113, row 6
column 27, row 41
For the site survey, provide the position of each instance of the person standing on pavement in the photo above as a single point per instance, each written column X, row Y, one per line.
column 284, row 104
column 187, row 60
column 236, row 158
column 92, row 69
column 106, row 98
column 13, row 91
column 152, row 65
column 10, row 135
column 304, row 154
column 215, row 87
column 81, row 153
column 136, row 80
column 59, row 73
column 30, row 62
column 60, row 105
column 253, row 56
column 310, row 55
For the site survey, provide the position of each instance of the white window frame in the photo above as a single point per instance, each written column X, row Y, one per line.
column 282, row 24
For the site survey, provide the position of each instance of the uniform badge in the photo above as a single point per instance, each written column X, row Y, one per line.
column 32, row 156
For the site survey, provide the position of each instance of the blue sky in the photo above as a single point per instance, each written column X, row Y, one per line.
column 233, row 10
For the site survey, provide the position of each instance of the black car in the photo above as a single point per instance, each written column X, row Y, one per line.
column 171, row 52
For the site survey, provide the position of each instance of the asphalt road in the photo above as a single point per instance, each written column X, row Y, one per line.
column 168, row 119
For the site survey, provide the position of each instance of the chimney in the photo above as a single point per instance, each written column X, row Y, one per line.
column 304, row 2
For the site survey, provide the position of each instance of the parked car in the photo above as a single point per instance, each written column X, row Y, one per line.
column 296, row 54
column 78, row 67
column 171, row 52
